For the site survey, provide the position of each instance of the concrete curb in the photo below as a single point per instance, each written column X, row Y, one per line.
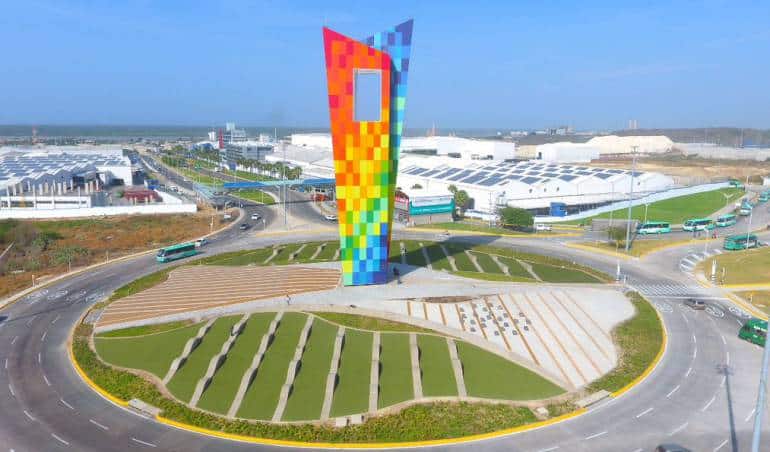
column 331, row 379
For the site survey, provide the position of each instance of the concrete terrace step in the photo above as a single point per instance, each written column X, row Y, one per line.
column 318, row 250
column 457, row 367
column 294, row 255
column 331, row 379
column 450, row 258
column 502, row 266
column 217, row 360
column 374, row 382
column 291, row 373
column 248, row 376
column 188, row 348
column 426, row 257
column 529, row 269
column 416, row 372
column 474, row 261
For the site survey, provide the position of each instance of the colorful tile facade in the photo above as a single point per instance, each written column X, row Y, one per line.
column 366, row 152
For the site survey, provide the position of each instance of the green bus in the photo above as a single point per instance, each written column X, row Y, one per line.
column 745, row 209
column 741, row 242
column 726, row 220
column 754, row 331
column 698, row 224
column 653, row 227
column 764, row 196
column 174, row 252
column 736, row 183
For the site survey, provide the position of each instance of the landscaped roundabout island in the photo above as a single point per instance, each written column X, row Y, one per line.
column 266, row 344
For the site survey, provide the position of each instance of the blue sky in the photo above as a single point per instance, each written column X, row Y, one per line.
column 481, row 64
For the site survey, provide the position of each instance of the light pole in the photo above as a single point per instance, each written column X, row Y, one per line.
column 630, row 198
column 646, row 205
column 760, row 408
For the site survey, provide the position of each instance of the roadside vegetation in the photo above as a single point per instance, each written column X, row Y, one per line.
column 638, row 247
column 760, row 299
column 675, row 210
column 741, row 267
column 639, row 340
column 49, row 248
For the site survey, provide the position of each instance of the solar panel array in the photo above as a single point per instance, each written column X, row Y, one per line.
column 501, row 173
column 18, row 167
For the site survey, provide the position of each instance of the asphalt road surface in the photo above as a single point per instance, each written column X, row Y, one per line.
column 700, row 396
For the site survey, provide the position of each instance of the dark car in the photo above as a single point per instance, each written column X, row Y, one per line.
column 243, row 226
column 695, row 304
column 3, row 318
column 671, row 448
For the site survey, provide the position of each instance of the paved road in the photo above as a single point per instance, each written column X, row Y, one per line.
column 701, row 395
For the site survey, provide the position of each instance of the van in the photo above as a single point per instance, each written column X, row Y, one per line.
column 695, row 304
column 542, row 227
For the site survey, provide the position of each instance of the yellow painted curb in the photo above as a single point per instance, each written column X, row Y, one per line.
column 319, row 445
column 653, row 365
column 747, row 286
column 600, row 251
column 673, row 245
column 747, row 306
column 90, row 382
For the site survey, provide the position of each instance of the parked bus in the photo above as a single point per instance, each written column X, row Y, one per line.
column 736, row 183
column 726, row 220
column 741, row 242
column 754, row 331
column 174, row 252
column 653, row 227
column 764, row 196
column 698, row 224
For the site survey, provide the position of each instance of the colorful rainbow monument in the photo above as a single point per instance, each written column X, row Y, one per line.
column 366, row 150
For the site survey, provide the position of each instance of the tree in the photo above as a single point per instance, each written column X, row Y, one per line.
column 616, row 234
column 461, row 199
column 416, row 187
column 452, row 189
column 516, row 217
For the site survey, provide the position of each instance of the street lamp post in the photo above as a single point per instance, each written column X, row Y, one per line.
column 646, row 205
column 630, row 198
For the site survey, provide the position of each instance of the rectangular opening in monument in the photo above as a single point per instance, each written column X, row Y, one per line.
column 367, row 95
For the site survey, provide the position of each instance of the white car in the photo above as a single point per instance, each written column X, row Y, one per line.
column 200, row 242
column 331, row 217
column 227, row 216
column 255, row 217
column 542, row 227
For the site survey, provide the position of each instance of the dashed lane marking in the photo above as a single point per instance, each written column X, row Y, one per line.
column 689, row 371
column 679, row 429
column 644, row 412
column 550, row 449
column 42, row 338
column 39, row 358
column 58, row 438
column 727, row 358
column 144, row 443
column 706, row 407
column 6, row 363
column 694, row 339
column 750, row 415
column 10, row 388
column 64, row 402
column 724, row 380
column 668, row 396
column 26, row 413
column 694, row 352
column 13, row 341
column 721, row 445
column 724, row 342
column 101, row 426
column 48, row 383
column 596, row 435
column 54, row 320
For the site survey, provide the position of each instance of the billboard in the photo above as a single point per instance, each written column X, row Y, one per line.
column 425, row 205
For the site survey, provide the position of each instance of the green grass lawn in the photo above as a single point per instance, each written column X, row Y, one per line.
column 369, row 323
column 487, row 264
column 438, row 259
column 414, row 254
column 252, row 194
column 220, row 393
column 490, row 376
column 306, row 399
column 262, row 397
column 470, row 226
column 741, row 267
column 328, row 252
column 143, row 283
column 236, row 258
column 677, row 210
column 144, row 330
column 462, row 261
column 182, row 385
column 307, row 252
column 199, row 178
column 395, row 251
column 550, row 273
column 438, row 378
column 396, row 370
column 515, row 268
column 285, row 252
column 151, row 353
column 352, row 393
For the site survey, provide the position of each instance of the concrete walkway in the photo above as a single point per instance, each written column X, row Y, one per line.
column 374, row 373
column 457, row 367
column 416, row 372
column 331, row 379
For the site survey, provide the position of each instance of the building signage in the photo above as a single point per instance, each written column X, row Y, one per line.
column 423, row 201
column 431, row 208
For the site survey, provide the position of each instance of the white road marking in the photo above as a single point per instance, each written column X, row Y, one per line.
column 143, row 442
column 684, row 317
column 721, row 445
column 672, row 391
column 694, row 339
column 54, row 320
column 48, row 383
column 679, row 429
column 550, row 449
column 39, row 358
column 66, row 404
column 6, row 363
column 60, row 439
column 29, row 322
column 724, row 380
column 706, row 407
column 739, row 322
column 644, row 412
column 13, row 341
column 595, row 435
column 689, row 370
column 42, row 338
column 724, row 342
column 638, row 450
column 694, row 352
column 727, row 358
column 26, row 413
column 753, row 410
column 103, row 427
column 10, row 388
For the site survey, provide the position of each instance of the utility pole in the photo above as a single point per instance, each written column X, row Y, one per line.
column 630, row 198
column 760, row 408
column 285, row 190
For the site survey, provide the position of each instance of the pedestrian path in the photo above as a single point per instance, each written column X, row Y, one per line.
column 668, row 289
column 687, row 264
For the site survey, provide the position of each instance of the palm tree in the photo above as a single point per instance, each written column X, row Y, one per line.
column 452, row 189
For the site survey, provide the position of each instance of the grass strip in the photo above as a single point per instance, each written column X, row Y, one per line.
column 414, row 253
column 369, row 323
column 487, row 264
column 352, row 392
column 437, row 375
column 515, row 268
column 462, row 261
column 219, row 395
column 262, row 396
column 182, row 385
column 328, row 251
column 395, row 370
column 490, row 376
column 150, row 353
column 145, row 330
column 639, row 339
column 553, row 274
column 307, row 396
column 438, row 259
